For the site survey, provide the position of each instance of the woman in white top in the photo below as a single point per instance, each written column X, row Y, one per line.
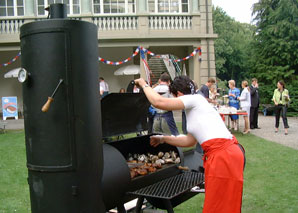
column 223, row 158
column 245, row 104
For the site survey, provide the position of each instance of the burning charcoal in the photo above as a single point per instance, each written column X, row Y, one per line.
column 177, row 160
column 167, row 155
column 160, row 154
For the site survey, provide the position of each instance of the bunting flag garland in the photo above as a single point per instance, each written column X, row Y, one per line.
column 136, row 52
column 120, row 62
column 11, row 61
column 146, row 66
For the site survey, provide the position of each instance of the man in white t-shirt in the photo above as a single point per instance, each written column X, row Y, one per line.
column 104, row 86
column 223, row 156
column 163, row 121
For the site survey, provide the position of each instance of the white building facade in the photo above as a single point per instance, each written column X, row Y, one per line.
column 174, row 27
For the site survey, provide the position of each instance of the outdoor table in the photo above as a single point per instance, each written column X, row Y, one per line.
column 228, row 114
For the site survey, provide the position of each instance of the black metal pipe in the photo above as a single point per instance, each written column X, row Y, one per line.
column 57, row 11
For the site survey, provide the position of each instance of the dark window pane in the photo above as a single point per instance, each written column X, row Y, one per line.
column 41, row 11
column 40, row 2
column 75, row 1
column 121, row 1
column 121, row 8
column 184, row 1
column 106, row 8
column 96, row 1
column 10, row 12
column 2, row 3
column 50, row 2
column 9, row 2
column 68, row 9
column 2, row 11
column 66, row 1
column 76, row 9
column 106, row 1
column 20, row 3
column 96, row 9
column 20, row 11
column 184, row 8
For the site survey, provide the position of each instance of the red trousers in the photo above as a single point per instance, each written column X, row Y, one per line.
column 224, row 164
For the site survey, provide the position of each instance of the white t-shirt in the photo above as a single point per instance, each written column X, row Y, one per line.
column 203, row 121
column 104, row 85
column 163, row 90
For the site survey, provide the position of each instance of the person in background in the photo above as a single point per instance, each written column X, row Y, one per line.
column 281, row 100
column 163, row 121
column 104, row 85
column 255, row 102
column 234, row 93
column 205, row 88
column 213, row 95
column 122, row 90
column 223, row 155
column 245, row 105
column 101, row 90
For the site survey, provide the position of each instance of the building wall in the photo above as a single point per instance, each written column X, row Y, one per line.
column 116, row 44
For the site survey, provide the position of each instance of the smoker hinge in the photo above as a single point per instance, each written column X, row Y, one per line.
column 74, row 190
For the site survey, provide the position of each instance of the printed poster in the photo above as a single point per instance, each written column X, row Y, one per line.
column 9, row 107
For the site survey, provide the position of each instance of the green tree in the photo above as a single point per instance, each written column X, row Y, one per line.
column 232, row 47
column 276, row 46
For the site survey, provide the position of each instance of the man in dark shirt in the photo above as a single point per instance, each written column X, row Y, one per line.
column 205, row 88
column 255, row 101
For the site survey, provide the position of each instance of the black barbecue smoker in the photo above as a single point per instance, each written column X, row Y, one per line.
column 69, row 168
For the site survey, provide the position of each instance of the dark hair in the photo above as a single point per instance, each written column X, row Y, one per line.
column 182, row 84
column 281, row 82
column 101, row 78
column 254, row 79
column 165, row 77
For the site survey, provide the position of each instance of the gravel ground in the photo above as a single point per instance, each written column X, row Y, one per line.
column 266, row 123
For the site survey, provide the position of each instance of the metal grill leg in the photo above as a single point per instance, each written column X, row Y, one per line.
column 139, row 204
column 121, row 209
column 168, row 205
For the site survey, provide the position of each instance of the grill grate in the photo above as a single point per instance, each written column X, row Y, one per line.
column 171, row 187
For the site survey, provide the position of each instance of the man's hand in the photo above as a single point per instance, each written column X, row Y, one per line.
column 140, row 82
column 155, row 140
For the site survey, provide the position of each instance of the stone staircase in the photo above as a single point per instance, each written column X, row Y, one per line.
column 157, row 66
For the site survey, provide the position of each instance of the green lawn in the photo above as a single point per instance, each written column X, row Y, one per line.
column 270, row 178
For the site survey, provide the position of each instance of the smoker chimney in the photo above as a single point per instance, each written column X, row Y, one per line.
column 57, row 11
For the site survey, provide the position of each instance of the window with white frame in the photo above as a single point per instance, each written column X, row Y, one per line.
column 114, row 6
column 12, row 8
column 73, row 6
column 168, row 6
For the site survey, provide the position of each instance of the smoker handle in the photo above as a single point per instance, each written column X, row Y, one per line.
column 47, row 105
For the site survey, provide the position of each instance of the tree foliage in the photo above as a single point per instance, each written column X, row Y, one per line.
column 276, row 45
column 232, row 47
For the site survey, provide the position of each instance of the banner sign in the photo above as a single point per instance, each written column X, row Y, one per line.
column 9, row 107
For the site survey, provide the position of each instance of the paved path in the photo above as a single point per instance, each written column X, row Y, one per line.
column 267, row 131
column 265, row 122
